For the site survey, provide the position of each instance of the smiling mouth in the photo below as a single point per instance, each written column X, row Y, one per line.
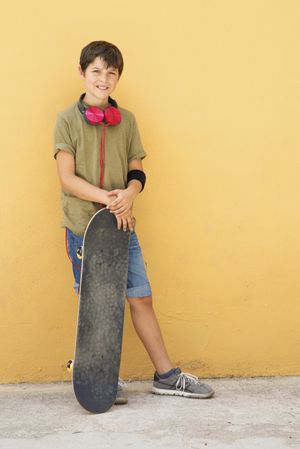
column 102, row 88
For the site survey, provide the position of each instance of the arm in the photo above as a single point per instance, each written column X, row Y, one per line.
column 74, row 184
column 125, row 198
column 134, row 185
column 86, row 191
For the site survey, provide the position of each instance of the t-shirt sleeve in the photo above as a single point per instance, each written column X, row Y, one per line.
column 135, row 149
column 62, row 138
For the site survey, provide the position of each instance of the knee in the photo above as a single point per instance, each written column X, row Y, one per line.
column 137, row 303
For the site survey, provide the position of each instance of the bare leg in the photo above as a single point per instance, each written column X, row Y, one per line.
column 147, row 328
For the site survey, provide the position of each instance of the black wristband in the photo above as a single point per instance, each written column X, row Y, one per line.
column 137, row 174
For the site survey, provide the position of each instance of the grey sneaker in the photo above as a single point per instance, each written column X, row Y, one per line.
column 121, row 396
column 182, row 384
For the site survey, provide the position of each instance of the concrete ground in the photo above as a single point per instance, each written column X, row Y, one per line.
column 257, row 413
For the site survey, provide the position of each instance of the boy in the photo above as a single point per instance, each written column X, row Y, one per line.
column 99, row 159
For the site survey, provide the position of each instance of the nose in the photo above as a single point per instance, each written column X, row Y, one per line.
column 103, row 77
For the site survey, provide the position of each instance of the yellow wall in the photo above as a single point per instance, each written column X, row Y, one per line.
column 216, row 92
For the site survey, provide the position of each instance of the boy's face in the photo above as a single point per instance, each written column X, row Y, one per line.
column 100, row 81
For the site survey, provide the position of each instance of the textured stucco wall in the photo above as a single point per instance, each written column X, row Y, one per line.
column 215, row 89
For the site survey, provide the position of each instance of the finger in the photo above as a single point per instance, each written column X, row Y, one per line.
column 131, row 226
column 129, row 223
column 113, row 192
column 119, row 223
column 124, row 224
column 121, row 210
column 114, row 203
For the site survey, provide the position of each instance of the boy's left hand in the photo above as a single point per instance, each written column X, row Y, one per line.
column 124, row 201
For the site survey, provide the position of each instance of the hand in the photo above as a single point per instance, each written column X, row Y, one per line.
column 123, row 201
column 125, row 221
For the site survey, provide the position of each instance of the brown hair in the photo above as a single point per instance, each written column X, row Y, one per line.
column 108, row 52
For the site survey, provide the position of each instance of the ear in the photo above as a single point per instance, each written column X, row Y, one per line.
column 81, row 72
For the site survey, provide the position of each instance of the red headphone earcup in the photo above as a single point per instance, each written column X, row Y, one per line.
column 94, row 115
column 112, row 115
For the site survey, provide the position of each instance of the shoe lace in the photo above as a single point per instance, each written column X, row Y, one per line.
column 121, row 383
column 184, row 379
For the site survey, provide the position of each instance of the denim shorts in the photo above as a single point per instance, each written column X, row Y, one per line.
column 138, row 284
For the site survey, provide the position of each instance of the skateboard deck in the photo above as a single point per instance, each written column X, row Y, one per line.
column 101, row 313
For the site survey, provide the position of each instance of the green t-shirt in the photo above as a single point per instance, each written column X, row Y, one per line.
column 74, row 135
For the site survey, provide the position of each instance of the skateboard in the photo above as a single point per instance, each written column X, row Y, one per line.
column 102, row 293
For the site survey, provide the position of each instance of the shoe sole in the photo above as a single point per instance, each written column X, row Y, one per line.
column 182, row 393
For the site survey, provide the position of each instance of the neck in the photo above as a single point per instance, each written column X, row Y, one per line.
column 92, row 101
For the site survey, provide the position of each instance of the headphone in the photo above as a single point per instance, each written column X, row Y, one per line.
column 96, row 116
